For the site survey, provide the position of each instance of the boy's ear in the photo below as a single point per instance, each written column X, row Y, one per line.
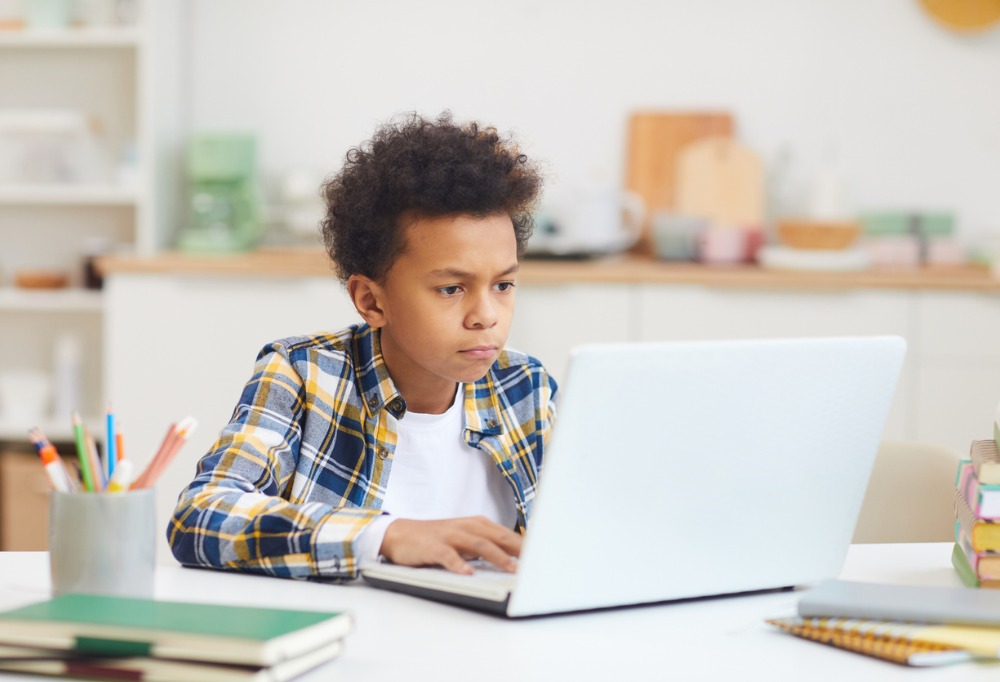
column 366, row 295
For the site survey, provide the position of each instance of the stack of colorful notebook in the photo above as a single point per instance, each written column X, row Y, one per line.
column 114, row 638
column 976, row 555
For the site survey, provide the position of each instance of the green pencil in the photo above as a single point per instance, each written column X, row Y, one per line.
column 81, row 452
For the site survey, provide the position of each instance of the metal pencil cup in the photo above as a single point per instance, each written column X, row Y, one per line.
column 103, row 543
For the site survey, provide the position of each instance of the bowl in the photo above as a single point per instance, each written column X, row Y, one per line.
column 818, row 234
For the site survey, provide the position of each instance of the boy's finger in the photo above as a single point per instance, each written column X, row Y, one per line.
column 452, row 561
column 496, row 555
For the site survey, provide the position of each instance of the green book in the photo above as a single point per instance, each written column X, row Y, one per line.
column 962, row 567
column 71, row 664
column 119, row 626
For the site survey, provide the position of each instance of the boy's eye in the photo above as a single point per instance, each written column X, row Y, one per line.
column 503, row 287
column 450, row 291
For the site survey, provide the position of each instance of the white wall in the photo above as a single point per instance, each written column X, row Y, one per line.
column 913, row 109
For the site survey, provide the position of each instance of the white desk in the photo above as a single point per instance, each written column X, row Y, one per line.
column 403, row 638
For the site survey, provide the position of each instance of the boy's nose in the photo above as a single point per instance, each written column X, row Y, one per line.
column 482, row 314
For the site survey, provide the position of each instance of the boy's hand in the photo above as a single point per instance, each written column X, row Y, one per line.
column 450, row 542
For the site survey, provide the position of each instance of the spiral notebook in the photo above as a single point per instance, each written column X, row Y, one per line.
column 903, row 643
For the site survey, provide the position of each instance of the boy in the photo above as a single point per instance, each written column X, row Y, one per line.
column 414, row 436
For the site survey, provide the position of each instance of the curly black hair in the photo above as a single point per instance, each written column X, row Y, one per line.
column 414, row 168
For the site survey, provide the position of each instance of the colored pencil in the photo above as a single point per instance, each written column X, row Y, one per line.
column 83, row 454
column 110, row 458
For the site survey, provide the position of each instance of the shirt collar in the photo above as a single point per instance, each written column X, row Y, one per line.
column 482, row 407
column 377, row 388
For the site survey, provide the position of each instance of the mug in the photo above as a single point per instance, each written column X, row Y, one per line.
column 103, row 543
column 592, row 221
column 675, row 236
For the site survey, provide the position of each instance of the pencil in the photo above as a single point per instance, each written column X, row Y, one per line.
column 82, row 454
column 110, row 458
column 95, row 461
column 176, row 436
column 140, row 480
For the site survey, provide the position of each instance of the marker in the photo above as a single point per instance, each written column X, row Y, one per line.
column 122, row 478
column 58, row 477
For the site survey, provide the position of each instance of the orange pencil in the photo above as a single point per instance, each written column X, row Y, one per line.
column 140, row 480
column 184, row 429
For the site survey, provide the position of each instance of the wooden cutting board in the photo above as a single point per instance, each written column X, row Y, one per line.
column 654, row 140
column 720, row 179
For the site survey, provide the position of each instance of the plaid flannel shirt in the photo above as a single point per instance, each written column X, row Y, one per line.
column 301, row 469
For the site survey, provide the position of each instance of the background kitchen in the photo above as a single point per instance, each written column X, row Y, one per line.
column 128, row 126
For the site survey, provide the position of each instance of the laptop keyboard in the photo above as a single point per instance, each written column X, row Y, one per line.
column 487, row 572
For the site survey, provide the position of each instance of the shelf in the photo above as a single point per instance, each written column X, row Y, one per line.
column 67, row 195
column 70, row 38
column 56, row 430
column 51, row 300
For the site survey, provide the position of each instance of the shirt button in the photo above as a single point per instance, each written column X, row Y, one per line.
column 491, row 424
column 382, row 453
column 373, row 402
column 397, row 405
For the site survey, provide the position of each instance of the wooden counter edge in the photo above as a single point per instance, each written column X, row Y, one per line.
column 611, row 270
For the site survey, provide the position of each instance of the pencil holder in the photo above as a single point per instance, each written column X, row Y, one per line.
column 103, row 543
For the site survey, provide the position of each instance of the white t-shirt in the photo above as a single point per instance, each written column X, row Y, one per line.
column 436, row 475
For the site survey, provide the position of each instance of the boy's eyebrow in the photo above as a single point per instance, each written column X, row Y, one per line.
column 460, row 274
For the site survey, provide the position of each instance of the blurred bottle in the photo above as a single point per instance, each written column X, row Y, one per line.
column 94, row 248
column 828, row 200
column 67, row 366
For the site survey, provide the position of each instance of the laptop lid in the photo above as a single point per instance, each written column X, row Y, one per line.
column 691, row 469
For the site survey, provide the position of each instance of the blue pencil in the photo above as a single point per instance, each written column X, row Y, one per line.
column 109, row 446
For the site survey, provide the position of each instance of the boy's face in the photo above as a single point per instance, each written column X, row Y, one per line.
column 446, row 304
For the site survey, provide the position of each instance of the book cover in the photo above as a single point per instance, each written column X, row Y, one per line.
column 911, row 603
column 986, row 565
column 966, row 568
column 985, row 456
column 121, row 626
column 984, row 500
column 905, row 643
column 70, row 664
column 984, row 535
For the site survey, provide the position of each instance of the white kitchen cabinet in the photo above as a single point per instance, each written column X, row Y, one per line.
column 550, row 320
column 958, row 383
column 183, row 343
column 682, row 313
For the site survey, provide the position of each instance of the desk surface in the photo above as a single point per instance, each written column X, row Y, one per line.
column 399, row 637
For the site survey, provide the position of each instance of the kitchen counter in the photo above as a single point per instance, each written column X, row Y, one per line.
column 609, row 270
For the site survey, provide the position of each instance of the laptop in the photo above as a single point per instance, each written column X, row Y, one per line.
column 690, row 469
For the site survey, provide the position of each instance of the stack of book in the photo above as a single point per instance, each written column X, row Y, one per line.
column 976, row 555
column 115, row 638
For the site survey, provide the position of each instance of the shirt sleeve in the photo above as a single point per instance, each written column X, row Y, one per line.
column 369, row 542
column 236, row 513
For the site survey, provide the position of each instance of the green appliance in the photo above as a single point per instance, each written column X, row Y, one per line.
column 223, row 196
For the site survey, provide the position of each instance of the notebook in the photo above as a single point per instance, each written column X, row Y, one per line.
column 100, row 625
column 691, row 469
column 912, row 603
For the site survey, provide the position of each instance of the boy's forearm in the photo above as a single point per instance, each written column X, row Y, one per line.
column 229, row 528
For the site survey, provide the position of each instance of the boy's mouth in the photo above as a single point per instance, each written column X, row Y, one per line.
column 479, row 352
